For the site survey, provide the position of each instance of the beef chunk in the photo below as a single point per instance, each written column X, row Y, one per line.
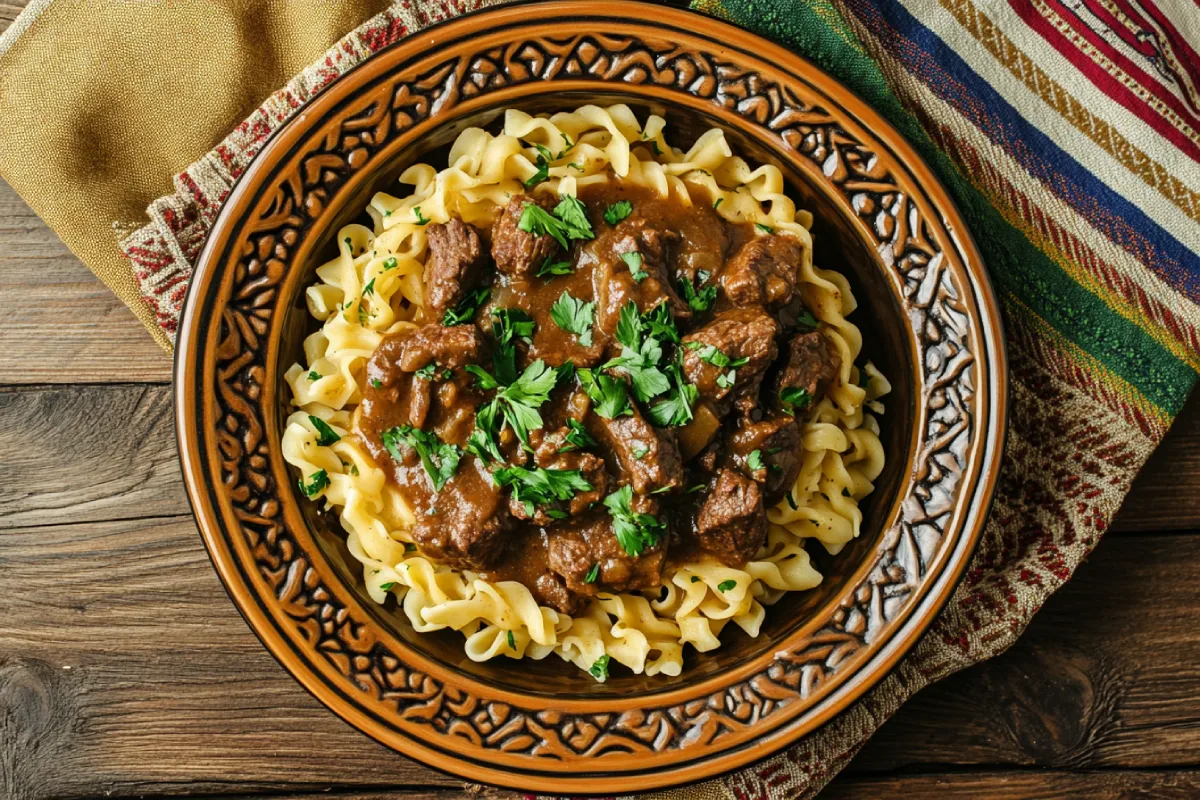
column 468, row 520
column 576, row 546
column 764, row 271
column 451, row 348
column 778, row 441
column 550, row 589
column 454, row 265
column 614, row 280
column 649, row 456
column 737, row 333
column 516, row 252
column 549, row 457
column 812, row 363
column 732, row 524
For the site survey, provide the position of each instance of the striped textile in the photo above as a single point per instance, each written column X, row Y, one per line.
column 1068, row 133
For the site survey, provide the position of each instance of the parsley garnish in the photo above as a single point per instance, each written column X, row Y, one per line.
column 592, row 574
column 376, row 383
column 618, row 211
column 695, row 579
column 792, row 501
column 577, row 437
column 327, row 434
column 390, row 263
column 544, row 157
column 440, row 458
column 676, row 409
column 512, row 643
column 569, row 221
column 550, row 267
column 635, row 532
column 541, row 487
column 599, row 668
column 725, row 586
column 567, row 141
column 574, row 216
column 409, row 547
column 313, row 375
column 717, row 203
column 712, row 355
column 610, row 394
column 793, row 399
column 639, row 452
column 464, row 310
column 517, row 402
column 387, row 587
column 316, row 482
column 699, row 300
column 574, row 316
column 764, row 228
column 633, row 260
column 640, row 354
column 421, row 220
column 754, row 462
column 369, row 288
column 430, row 372
column 806, row 321
column 864, row 379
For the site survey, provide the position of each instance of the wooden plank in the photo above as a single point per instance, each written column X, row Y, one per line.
column 125, row 670
column 1024, row 785
column 61, row 324
column 9, row 9
column 1164, row 496
column 103, row 452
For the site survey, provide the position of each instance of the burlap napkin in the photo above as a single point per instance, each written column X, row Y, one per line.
column 1071, row 142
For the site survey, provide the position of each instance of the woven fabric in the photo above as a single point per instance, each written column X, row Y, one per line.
column 1068, row 135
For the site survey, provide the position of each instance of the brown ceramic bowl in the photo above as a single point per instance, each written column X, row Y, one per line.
column 928, row 315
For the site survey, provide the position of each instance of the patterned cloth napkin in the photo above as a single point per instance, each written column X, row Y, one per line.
column 1068, row 134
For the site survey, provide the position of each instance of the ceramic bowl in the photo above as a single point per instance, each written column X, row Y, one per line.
column 929, row 319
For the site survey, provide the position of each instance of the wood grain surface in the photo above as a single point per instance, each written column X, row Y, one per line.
column 125, row 671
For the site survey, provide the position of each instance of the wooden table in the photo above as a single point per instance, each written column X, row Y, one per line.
column 126, row 671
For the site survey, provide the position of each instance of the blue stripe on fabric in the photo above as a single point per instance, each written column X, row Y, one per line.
column 989, row 111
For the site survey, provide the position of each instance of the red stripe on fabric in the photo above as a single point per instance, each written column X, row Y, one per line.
column 1183, row 48
column 1103, row 81
column 1152, row 41
column 1118, row 27
column 996, row 183
column 1161, row 92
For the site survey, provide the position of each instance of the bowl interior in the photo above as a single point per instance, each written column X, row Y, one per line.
column 837, row 244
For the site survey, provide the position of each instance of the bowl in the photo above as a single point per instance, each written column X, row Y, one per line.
column 930, row 323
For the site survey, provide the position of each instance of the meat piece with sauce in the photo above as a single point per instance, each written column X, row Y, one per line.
column 589, row 465
column 648, row 455
column 777, row 439
column 452, row 347
column 454, row 265
column 763, row 272
column 738, row 333
column 518, row 253
column 466, row 523
column 574, row 547
column 732, row 524
column 614, row 278
column 812, row 363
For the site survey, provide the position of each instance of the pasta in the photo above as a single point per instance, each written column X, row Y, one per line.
column 374, row 287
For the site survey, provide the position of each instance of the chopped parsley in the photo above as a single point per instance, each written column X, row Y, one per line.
column 464, row 310
column 592, row 574
column 611, row 395
column 421, row 219
column 327, row 434
column 409, row 547
column 725, row 586
column 390, row 263
column 793, row 399
column 574, row 216
column 431, row 372
column 635, row 532
column 387, row 587
column 574, row 316
column 806, row 321
column 676, row 409
column 764, row 228
column 633, row 260
column 754, row 462
column 541, row 487
column 569, row 221
column 703, row 299
column 567, row 141
column 693, row 489
column 512, row 643
column 315, row 483
column 599, row 668
column 577, row 437
column 640, row 451
column 618, row 211
column 376, row 383
column 640, row 355
column 717, row 203
column 864, row 379
column 439, row 458
column 369, row 288
column 695, row 579
column 542, row 167
column 314, row 375
column 517, row 403
column 710, row 354
column 550, row 267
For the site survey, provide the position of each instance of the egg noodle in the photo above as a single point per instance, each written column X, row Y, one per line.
column 363, row 295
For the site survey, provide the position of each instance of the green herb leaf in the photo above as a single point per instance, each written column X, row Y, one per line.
column 313, row 375
column 537, row 221
column 633, row 260
column 555, row 268
column 387, row 587
column 635, row 532
column 806, row 321
column 464, row 311
column 701, row 300
column 592, row 574
column 409, row 547
column 574, row 216
column 793, row 399
column 577, row 437
column 428, row 372
column 599, row 668
column 540, row 486
column 717, row 203
column 754, row 462
column 327, row 434
column 390, row 263
column 764, row 228
column 610, row 395
column 574, row 316
column 640, row 355
column 618, row 211
column 542, row 171
column 376, row 383
column 791, row 501
column 439, row 458
column 316, row 482
column 565, row 373
column 676, row 409
column 482, row 441
column 710, row 354
column 421, row 220
column 725, row 586
column 369, row 288
column 512, row 643
column 695, row 579
column 639, row 452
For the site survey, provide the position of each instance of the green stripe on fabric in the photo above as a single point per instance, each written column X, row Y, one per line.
column 817, row 31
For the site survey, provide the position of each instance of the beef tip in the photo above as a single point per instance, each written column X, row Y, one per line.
column 812, row 363
column 576, row 546
column 550, row 589
column 548, row 457
column 777, row 439
column 737, row 333
column 452, row 347
column 649, row 456
column 466, row 524
column 764, row 271
column 732, row 524
column 655, row 246
column 516, row 252
column 454, row 265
